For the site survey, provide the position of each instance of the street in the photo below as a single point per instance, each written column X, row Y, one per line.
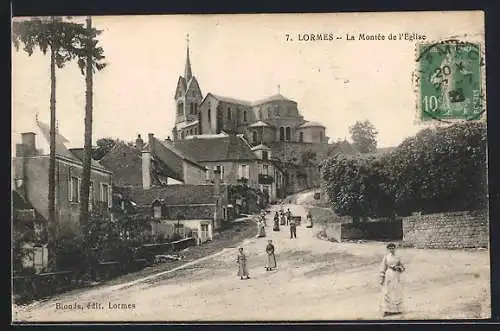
column 315, row 280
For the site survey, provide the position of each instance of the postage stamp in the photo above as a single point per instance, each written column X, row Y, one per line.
column 450, row 80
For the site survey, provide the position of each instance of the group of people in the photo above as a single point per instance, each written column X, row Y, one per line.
column 241, row 260
column 390, row 276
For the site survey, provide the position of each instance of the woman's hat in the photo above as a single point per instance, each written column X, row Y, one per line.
column 391, row 245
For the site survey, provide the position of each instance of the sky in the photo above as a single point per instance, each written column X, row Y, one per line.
column 246, row 57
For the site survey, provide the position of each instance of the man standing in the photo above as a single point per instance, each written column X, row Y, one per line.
column 288, row 216
column 293, row 228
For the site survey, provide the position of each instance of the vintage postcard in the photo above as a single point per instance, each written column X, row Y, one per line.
column 250, row 168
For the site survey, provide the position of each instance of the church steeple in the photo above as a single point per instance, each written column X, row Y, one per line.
column 187, row 71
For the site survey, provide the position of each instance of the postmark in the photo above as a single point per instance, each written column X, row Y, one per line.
column 449, row 80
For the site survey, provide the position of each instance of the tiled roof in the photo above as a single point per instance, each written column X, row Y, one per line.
column 61, row 148
column 173, row 195
column 230, row 148
column 310, row 125
column 172, row 156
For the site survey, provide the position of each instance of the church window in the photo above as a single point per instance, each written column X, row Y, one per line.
column 282, row 134
column 244, row 116
column 254, row 136
column 209, row 115
column 228, row 113
column 180, row 107
column 301, row 137
column 288, row 133
column 191, row 107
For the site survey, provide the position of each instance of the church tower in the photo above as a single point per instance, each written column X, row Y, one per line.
column 188, row 97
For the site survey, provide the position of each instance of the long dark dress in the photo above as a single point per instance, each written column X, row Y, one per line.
column 271, row 258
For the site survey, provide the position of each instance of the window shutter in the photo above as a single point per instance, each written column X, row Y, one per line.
column 70, row 189
column 110, row 195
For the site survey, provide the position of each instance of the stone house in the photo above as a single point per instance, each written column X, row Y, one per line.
column 191, row 210
column 30, row 191
column 271, row 177
column 31, row 178
column 230, row 155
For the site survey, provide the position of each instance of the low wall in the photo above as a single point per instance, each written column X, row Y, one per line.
column 373, row 230
column 446, row 230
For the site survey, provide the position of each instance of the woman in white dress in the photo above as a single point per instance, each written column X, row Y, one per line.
column 390, row 279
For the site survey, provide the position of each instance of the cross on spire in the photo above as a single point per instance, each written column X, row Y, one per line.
column 278, row 88
column 187, row 71
column 187, row 39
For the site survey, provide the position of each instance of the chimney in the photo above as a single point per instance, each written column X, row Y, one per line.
column 139, row 143
column 146, row 169
column 29, row 144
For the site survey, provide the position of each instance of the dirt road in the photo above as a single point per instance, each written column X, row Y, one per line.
column 315, row 280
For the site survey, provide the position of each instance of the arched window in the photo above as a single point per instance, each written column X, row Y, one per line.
column 282, row 134
column 228, row 113
column 301, row 137
column 288, row 133
column 254, row 136
column 209, row 115
column 191, row 108
column 244, row 116
column 180, row 108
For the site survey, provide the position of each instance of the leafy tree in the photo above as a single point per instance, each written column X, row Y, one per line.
column 62, row 40
column 343, row 147
column 364, row 137
column 104, row 145
column 441, row 169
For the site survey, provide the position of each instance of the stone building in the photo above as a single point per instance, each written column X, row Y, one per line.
column 274, row 121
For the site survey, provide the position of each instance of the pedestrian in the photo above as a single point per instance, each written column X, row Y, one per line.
column 390, row 279
column 293, row 229
column 309, row 223
column 271, row 258
column 276, row 225
column 261, row 230
column 288, row 216
column 241, row 259
column 283, row 219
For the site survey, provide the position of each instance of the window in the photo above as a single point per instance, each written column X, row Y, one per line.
column 180, row 108
column 282, row 134
column 106, row 194
column 244, row 116
column 207, row 173
column 228, row 113
column 156, row 210
column 301, row 136
column 288, row 133
column 265, row 169
column 209, row 115
column 221, row 170
column 74, row 189
column 244, row 171
column 265, row 155
column 191, row 108
column 254, row 136
column 321, row 136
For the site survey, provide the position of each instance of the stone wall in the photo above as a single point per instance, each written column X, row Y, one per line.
column 447, row 230
column 344, row 229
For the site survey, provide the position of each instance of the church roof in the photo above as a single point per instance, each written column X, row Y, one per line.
column 276, row 97
column 231, row 100
column 311, row 125
column 259, row 124
column 229, row 148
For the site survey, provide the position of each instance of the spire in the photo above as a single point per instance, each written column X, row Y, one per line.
column 187, row 72
column 278, row 88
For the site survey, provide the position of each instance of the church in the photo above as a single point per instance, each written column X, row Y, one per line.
column 274, row 122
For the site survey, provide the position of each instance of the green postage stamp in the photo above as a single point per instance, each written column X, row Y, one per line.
column 450, row 81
